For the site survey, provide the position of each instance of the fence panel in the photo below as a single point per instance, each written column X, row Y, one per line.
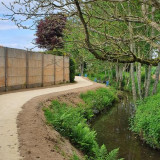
column 2, row 69
column 59, row 70
column 66, row 69
column 49, row 69
column 16, row 74
column 34, row 69
column 22, row 69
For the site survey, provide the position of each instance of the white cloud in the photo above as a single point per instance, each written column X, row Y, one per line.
column 13, row 36
column 12, row 45
column 16, row 45
column 26, row 46
column 7, row 25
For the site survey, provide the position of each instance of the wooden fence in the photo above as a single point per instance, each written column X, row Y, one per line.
column 21, row 69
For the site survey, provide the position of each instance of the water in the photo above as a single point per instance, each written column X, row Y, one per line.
column 112, row 130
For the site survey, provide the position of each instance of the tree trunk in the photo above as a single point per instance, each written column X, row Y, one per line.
column 139, row 80
column 120, row 76
column 150, row 67
column 148, row 82
column 117, row 73
column 128, row 80
column 156, row 80
column 133, row 82
column 82, row 68
column 139, row 77
column 145, row 80
column 132, row 48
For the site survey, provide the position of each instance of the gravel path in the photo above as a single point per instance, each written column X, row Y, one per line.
column 11, row 104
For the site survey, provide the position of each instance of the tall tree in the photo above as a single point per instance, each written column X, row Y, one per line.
column 156, row 79
column 106, row 34
column 148, row 82
column 132, row 48
column 139, row 78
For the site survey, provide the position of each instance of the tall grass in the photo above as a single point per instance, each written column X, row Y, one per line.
column 146, row 121
column 99, row 99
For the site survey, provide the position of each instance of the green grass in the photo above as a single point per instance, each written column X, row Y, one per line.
column 99, row 99
column 146, row 121
column 72, row 123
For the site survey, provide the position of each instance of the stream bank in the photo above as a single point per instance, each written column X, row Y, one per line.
column 112, row 129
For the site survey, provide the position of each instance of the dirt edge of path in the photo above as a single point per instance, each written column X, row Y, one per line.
column 40, row 141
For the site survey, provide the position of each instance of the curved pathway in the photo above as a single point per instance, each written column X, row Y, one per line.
column 11, row 104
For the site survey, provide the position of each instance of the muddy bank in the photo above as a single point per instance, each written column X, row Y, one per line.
column 39, row 141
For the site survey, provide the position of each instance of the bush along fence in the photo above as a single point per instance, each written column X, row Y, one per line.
column 21, row 69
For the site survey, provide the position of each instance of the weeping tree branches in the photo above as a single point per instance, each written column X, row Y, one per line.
column 103, row 23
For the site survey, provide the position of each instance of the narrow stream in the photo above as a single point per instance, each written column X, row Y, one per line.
column 112, row 130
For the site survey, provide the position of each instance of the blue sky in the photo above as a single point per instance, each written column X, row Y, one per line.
column 11, row 35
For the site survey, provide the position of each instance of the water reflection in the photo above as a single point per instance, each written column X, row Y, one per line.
column 112, row 130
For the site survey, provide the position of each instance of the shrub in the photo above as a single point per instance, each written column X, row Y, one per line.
column 113, row 74
column 55, row 52
column 70, row 123
column 99, row 99
column 72, row 70
column 146, row 121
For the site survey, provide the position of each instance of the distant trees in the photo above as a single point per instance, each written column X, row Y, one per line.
column 50, row 32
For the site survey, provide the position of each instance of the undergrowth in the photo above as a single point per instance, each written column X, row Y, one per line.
column 71, row 122
column 146, row 121
column 99, row 99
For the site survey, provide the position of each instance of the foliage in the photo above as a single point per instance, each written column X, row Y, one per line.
column 50, row 32
column 126, row 81
column 109, row 76
column 70, row 122
column 74, row 157
column 99, row 99
column 55, row 52
column 146, row 121
column 72, row 70
column 143, row 85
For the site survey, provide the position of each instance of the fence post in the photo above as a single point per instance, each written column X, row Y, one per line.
column 27, row 69
column 6, row 68
column 42, row 69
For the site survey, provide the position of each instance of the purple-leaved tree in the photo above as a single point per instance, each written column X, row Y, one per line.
column 50, row 32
